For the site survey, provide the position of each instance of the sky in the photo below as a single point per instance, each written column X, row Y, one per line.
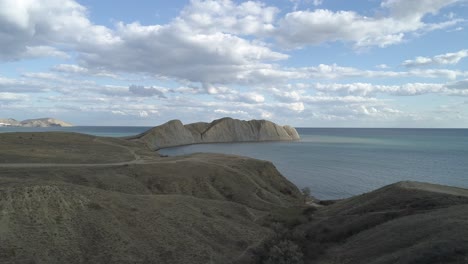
column 307, row 63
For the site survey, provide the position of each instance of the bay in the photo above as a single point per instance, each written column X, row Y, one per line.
column 339, row 162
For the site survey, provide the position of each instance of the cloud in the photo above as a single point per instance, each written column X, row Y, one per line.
column 223, row 57
column 146, row 92
column 301, row 28
column 414, row 10
column 334, row 71
column 460, row 85
column 117, row 112
column 176, row 52
column 203, row 44
column 249, row 97
column 231, row 113
column 367, row 89
column 70, row 68
column 407, row 89
column 32, row 28
column 12, row 97
column 382, row 66
column 210, row 16
column 296, row 107
column 143, row 114
column 252, row 97
column 317, row 2
column 20, row 86
column 442, row 59
column 44, row 51
column 209, row 42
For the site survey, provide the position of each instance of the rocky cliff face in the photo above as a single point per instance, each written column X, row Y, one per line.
column 40, row 122
column 174, row 133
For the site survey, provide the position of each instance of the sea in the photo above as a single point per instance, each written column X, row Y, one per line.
column 336, row 163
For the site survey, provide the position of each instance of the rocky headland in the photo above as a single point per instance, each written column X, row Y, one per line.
column 224, row 130
column 39, row 122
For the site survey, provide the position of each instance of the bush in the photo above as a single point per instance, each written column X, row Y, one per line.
column 284, row 252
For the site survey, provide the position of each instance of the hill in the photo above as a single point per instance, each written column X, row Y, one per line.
column 114, row 201
column 73, row 198
column 406, row 222
column 174, row 133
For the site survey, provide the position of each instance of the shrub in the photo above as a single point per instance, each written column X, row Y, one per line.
column 284, row 252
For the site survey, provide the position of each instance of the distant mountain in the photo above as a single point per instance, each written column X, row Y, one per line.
column 40, row 122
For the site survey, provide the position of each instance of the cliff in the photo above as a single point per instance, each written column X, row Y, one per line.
column 174, row 133
column 40, row 122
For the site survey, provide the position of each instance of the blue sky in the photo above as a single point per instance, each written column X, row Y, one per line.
column 308, row 63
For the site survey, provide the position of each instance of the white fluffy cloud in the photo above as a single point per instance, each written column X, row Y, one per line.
column 200, row 45
column 302, row 28
column 176, row 52
column 442, row 59
column 35, row 28
column 245, row 18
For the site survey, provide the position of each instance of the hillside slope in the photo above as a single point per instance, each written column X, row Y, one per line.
column 405, row 223
column 64, row 223
column 72, row 198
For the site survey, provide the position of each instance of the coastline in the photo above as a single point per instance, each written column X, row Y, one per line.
column 195, row 199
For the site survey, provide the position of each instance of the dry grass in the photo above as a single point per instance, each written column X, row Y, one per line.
column 196, row 209
column 59, row 147
column 204, row 208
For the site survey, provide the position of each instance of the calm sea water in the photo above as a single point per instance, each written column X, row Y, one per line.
column 341, row 162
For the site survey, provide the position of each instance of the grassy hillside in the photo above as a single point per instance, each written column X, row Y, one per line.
column 85, row 199
column 71, row 198
column 61, row 147
column 407, row 222
column 64, row 223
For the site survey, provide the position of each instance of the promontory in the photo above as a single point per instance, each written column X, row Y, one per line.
column 174, row 133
